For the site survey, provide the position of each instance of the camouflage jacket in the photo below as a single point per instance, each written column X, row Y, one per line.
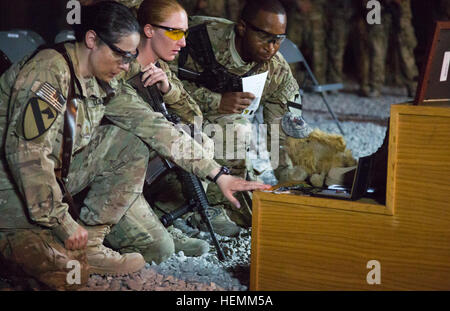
column 28, row 163
column 130, row 112
column 280, row 87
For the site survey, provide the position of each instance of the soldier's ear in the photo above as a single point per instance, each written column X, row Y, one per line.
column 148, row 31
column 240, row 28
column 89, row 38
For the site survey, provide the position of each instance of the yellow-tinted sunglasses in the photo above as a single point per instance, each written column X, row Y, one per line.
column 173, row 33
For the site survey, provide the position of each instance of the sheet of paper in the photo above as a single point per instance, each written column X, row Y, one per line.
column 445, row 65
column 255, row 85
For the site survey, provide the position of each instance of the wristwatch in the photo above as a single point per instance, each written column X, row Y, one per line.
column 223, row 170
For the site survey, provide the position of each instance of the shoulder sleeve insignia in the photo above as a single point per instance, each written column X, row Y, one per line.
column 39, row 116
column 41, row 111
column 49, row 94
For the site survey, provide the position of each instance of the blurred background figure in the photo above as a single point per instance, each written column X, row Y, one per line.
column 306, row 28
column 228, row 9
column 334, row 36
column 395, row 28
column 340, row 15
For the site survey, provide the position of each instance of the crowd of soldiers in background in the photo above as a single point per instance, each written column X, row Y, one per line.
column 334, row 35
column 327, row 32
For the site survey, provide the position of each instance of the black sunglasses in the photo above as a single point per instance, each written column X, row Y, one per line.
column 127, row 57
column 267, row 36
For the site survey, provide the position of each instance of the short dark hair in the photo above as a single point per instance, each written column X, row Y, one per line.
column 252, row 8
column 110, row 19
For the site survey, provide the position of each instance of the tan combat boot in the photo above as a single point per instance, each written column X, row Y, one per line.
column 191, row 247
column 221, row 223
column 105, row 261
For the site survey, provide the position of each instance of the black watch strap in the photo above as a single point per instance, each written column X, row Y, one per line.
column 223, row 170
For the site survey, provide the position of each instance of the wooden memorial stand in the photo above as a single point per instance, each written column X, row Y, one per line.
column 309, row 243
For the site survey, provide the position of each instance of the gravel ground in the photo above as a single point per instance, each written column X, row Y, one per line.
column 364, row 121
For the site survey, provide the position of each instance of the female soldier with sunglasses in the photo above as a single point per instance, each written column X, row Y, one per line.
column 163, row 30
column 39, row 234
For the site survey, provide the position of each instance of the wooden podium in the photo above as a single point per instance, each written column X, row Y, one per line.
column 309, row 243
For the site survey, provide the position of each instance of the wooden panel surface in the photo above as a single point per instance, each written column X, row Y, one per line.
column 422, row 157
column 304, row 243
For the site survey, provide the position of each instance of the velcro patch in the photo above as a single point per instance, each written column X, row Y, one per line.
column 39, row 116
column 49, row 94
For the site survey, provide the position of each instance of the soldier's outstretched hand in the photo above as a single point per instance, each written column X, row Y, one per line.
column 229, row 184
column 235, row 102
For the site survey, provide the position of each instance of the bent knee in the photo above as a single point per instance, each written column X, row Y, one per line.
column 136, row 145
column 122, row 138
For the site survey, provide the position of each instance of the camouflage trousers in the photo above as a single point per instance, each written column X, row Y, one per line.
column 115, row 197
column 40, row 254
column 140, row 231
column 111, row 169
column 308, row 33
column 338, row 34
column 375, row 51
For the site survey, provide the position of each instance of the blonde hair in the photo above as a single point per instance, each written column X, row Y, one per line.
column 157, row 11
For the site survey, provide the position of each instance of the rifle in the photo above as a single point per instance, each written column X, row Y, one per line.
column 214, row 76
column 191, row 184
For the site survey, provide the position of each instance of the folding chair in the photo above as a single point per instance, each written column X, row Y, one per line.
column 18, row 43
column 5, row 63
column 65, row 35
column 292, row 54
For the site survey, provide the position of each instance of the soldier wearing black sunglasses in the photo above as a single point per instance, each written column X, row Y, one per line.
column 125, row 56
column 247, row 47
column 265, row 36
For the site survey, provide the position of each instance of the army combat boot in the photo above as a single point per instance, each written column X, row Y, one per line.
column 221, row 223
column 105, row 261
column 191, row 247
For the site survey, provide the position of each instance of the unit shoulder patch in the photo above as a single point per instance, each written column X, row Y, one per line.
column 39, row 116
column 42, row 110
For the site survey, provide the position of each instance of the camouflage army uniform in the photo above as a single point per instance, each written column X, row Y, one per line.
column 131, row 3
column 340, row 14
column 110, row 161
column 218, row 8
column 307, row 31
column 400, row 26
column 131, row 113
column 280, row 88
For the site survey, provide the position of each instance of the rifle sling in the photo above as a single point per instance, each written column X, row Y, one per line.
column 69, row 132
